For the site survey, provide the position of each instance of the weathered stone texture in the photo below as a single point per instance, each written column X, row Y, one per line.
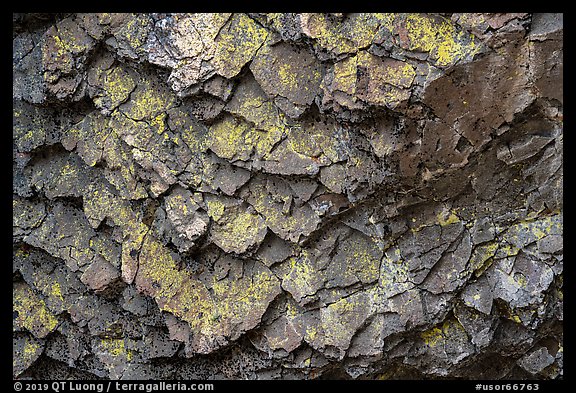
column 288, row 196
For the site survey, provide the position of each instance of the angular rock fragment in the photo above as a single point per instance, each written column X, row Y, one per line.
column 25, row 351
column 26, row 215
column 536, row 361
column 371, row 79
column 279, row 69
column 129, row 33
column 65, row 47
column 187, row 221
column 196, row 46
column 100, row 275
column 110, row 85
column 338, row 322
column 28, row 81
column 236, row 228
column 30, row 312
column 273, row 199
column 356, row 31
column 236, row 44
column 445, row 346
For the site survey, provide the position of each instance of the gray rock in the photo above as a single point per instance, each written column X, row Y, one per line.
column 287, row 196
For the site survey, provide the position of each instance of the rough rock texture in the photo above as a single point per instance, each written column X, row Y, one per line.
column 288, row 196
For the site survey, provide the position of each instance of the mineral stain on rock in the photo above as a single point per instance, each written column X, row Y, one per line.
column 287, row 196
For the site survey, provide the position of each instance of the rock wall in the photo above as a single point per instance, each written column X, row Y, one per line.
column 287, row 196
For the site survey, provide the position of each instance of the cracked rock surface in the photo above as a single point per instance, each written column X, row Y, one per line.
column 288, row 196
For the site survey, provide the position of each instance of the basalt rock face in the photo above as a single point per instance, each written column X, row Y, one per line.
column 287, row 196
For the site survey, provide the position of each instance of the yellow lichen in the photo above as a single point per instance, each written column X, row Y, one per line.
column 240, row 230
column 33, row 314
column 432, row 336
column 231, row 137
column 446, row 44
column 301, row 276
column 147, row 101
column 439, row 335
column 235, row 299
column 311, row 333
column 117, row 85
column 159, row 123
column 394, row 271
column 56, row 291
column 527, row 232
column 117, row 347
column 30, row 348
column 317, row 141
column 482, row 254
column 392, row 72
column 355, row 32
column 447, row 217
column 345, row 72
column 135, row 32
column 174, row 290
column 287, row 76
column 215, row 208
column 237, row 44
column 274, row 218
column 340, row 320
